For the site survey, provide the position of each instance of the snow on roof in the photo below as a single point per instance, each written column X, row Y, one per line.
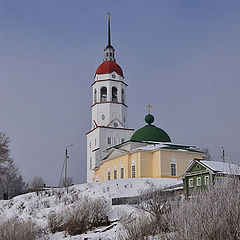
column 151, row 147
column 177, row 147
column 227, row 168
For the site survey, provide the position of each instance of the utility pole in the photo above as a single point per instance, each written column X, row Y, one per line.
column 223, row 154
column 63, row 179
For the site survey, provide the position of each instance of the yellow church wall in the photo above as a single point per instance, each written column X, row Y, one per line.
column 147, row 164
column 101, row 173
column 145, row 168
column 156, row 164
column 181, row 158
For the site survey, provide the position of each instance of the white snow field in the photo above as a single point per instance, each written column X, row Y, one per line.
column 37, row 207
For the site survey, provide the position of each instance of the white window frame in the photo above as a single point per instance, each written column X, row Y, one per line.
column 199, row 181
column 206, row 180
column 190, row 182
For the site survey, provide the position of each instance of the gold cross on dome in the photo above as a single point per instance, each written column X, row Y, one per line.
column 149, row 108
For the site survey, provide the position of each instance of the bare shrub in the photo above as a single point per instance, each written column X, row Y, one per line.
column 208, row 215
column 66, row 182
column 136, row 227
column 88, row 214
column 15, row 229
column 157, row 204
column 55, row 222
column 214, row 214
column 152, row 207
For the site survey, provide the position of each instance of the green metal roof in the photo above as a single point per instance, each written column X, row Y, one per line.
column 150, row 132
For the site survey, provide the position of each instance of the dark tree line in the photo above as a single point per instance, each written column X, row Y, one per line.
column 11, row 181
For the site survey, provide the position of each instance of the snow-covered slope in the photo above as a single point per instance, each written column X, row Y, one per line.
column 37, row 207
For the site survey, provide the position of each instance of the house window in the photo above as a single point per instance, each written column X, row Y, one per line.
column 133, row 171
column 122, row 140
column 103, row 94
column 206, row 180
column 90, row 163
column 219, row 180
column 109, row 175
column 190, row 182
column 122, row 172
column 173, row 169
column 109, row 141
column 115, row 174
column 199, row 181
column 90, row 145
column 95, row 141
column 114, row 94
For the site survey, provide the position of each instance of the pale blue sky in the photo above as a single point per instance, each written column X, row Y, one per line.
column 182, row 57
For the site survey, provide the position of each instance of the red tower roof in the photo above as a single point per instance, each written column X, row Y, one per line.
column 109, row 67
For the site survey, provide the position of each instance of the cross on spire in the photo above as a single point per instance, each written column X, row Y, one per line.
column 149, row 108
column 109, row 50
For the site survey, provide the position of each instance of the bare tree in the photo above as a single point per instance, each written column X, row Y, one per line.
column 11, row 181
column 4, row 150
column 37, row 182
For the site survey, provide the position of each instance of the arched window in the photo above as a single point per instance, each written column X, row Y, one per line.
column 95, row 95
column 123, row 97
column 103, row 94
column 114, row 94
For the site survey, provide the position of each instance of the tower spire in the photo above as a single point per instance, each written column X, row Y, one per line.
column 109, row 29
column 109, row 50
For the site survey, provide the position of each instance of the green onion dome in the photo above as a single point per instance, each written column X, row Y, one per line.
column 150, row 132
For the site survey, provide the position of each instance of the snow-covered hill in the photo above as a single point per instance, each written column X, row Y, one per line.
column 38, row 207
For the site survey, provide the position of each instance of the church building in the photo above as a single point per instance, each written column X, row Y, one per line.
column 115, row 151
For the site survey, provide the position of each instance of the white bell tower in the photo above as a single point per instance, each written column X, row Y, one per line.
column 109, row 110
